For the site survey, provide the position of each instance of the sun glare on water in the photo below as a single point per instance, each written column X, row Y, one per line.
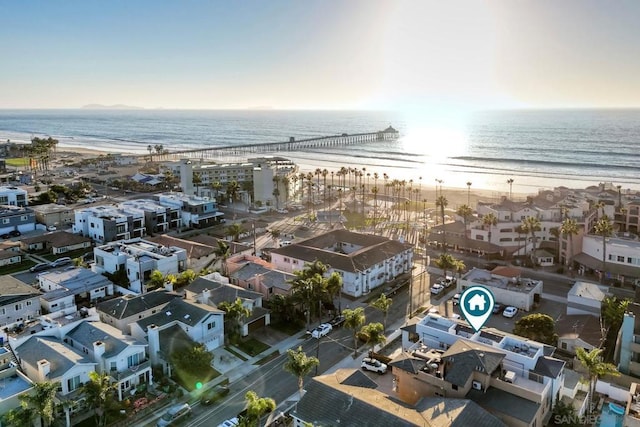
column 436, row 144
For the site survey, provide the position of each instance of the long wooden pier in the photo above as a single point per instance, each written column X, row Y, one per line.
column 270, row 147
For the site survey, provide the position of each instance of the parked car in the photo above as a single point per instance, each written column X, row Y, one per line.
column 321, row 330
column 52, row 228
column 15, row 233
column 437, row 289
column 40, row 267
column 61, row 261
column 233, row 422
column 214, row 394
column 337, row 321
column 510, row 312
column 5, row 236
column 285, row 243
column 282, row 211
column 456, row 299
column 174, row 415
column 373, row 365
column 497, row 308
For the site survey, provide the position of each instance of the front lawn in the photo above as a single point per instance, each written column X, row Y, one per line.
column 188, row 381
column 252, row 346
column 17, row 162
column 14, row 268
column 73, row 254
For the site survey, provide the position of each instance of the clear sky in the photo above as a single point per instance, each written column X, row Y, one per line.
column 317, row 54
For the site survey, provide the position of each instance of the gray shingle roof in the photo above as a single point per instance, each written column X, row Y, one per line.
column 202, row 284
column 60, row 356
column 86, row 333
column 57, row 239
column 374, row 250
column 549, row 367
column 249, row 270
column 500, row 402
column 13, row 290
column 186, row 312
column 124, row 307
column 174, row 338
column 229, row 293
column 407, row 363
column 444, row 412
column 466, row 357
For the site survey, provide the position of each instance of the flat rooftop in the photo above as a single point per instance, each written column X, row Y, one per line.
column 12, row 385
column 485, row 278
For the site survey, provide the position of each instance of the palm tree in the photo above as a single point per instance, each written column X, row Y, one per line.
column 465, row 212
column 354, row 319
column 596, row 368
column 384, row 305
column 234, row 230
column 374, row 334
column 604, row 228
column 275, row 235
column 222, row 252
column 374, row 190
column 233, row 189
column 256, row 408
column 442, row 202
column 510, row 182
column 235, row 313
column 530, row 225
column 300, row 365
column 334, row 288
column 468, row 193
column 489, row 220
column 196, row 180
column 446, row 262
column 324, row 174
column 216, row 186
column 98, row 391
column 569, row 228
column 41, row 401
column 150, row 150
column 156, row 279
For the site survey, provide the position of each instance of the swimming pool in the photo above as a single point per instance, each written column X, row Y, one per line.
column 608, row 418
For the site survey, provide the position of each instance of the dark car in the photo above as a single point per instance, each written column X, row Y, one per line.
column 5, row 236
column 40, row 267
column 337, row 321
column 214, row 394
column 498, row 308
column 15, row 233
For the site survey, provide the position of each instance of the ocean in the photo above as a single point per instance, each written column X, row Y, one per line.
column 536, row 148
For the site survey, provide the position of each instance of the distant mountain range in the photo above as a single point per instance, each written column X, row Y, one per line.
column 110, row 107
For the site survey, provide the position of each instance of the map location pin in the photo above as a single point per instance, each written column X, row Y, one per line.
column 476, row 304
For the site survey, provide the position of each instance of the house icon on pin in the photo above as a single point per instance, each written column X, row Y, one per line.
column 477, row 302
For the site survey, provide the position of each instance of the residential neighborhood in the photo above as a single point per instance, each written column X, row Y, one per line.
column 162, row 296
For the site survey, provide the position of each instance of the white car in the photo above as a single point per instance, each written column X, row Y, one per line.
column 285, row 243
column 233, row 422
column 321, row 330
column 456, row 299
column 282, row 211
column 52, row 228
column 437, row 289
column 373, row 365
column 510, row 312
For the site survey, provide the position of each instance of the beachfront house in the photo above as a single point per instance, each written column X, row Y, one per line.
column 364, row 261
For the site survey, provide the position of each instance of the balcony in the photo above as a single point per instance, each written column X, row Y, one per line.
column 134, row 370
column 635, row 344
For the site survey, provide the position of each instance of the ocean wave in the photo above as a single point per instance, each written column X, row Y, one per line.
column 551, row 163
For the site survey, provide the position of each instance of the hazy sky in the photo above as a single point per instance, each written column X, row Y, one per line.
column 411, row 55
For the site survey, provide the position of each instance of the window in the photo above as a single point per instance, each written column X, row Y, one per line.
column 134, row 360
column 5, row 220
column 73, row 383
column 454, row 387
column 29, row 303
column 18, row 306
column 211, row 325
column 2, row 311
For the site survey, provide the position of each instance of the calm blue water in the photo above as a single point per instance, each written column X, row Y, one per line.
column 610, row 419
column 542, row 148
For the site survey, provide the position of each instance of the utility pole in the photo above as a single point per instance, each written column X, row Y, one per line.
column 253, row 227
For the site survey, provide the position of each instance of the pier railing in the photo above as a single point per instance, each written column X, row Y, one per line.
column 292, row 144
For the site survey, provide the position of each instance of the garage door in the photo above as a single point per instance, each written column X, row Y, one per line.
column 257, row 324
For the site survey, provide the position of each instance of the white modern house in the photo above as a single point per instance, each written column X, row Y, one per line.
column 109, row 223
column 195, row 211
column 138, row 258
column 13, row 196
column 364, row 261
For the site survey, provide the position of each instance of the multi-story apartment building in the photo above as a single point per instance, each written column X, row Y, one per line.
column 107, row 223
column 52, row 214
column 14, row 218
column 195, row 211
column 262, row 174
column 13, row 196
column 158, row 218
column 364, row 261
column 138, row 258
